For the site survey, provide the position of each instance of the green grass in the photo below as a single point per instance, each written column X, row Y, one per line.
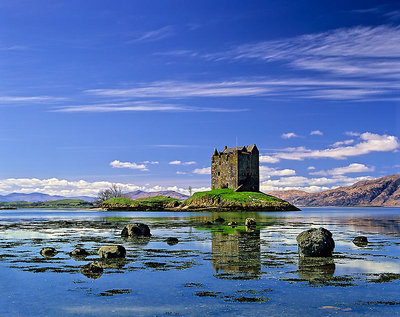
column 61, row 203
column 229, row 195
column 149, row 201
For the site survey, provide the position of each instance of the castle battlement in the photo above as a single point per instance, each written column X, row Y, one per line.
column 236, row 168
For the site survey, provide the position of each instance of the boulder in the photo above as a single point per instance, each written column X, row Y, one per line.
column 92, row 270
column 172, row 240
column 135, row 230
column 112, row 252
column 315, row 242
column 48, row 252
column 360, row 241
column 250, row 222
column 79, row 252
column 232, row 224
column 219, row 220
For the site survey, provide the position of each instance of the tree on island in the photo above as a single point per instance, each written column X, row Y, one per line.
column 113, row 191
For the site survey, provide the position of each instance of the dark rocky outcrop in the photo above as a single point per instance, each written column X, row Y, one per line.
column 172, row 240
column 79, row 252
column 360, row 241
column 136, row 230
column 112, row 252
column 315, row 242
column 48, row 252
column 92, row 270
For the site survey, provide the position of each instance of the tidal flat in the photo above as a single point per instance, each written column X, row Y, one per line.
column 213, row 269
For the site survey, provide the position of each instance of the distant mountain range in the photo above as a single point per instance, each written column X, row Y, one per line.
column 141, row 194
column 384, row 191
column 36, row 197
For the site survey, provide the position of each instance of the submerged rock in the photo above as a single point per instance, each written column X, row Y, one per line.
column 250, row 222
column 360, row 241
column 79, row 252
column 232, row 224
column 315, row 242
column 172, row 240
column 112, row 252
column 135, row 230
column 92, row 270
column 48, row 252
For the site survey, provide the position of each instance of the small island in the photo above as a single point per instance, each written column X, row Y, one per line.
column 214, row 200
column 235, row 184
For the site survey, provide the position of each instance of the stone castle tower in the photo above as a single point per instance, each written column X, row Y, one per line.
column 236, row 168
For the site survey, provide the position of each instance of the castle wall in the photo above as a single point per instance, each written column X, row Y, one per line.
column 248, row 172
column 236, row 167
column 224, row 171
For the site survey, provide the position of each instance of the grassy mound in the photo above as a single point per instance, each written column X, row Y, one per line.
column 228, row 199
column 156, row 203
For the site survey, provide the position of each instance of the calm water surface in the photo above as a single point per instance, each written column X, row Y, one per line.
column 213, row 270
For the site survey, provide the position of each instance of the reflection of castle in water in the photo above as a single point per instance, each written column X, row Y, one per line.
column 237, row 252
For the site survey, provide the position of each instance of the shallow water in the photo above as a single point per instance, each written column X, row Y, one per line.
column 213, row 270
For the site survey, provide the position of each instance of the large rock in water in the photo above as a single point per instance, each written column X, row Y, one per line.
column 112, row 252
column 135, row 230
column 315, row 242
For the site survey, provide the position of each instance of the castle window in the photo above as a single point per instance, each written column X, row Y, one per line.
column 219, row 173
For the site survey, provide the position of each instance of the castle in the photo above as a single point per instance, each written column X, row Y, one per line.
column 236, row 168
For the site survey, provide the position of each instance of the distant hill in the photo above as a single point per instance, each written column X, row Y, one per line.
column 384, row 191
column 141, row 194
column 36, row 197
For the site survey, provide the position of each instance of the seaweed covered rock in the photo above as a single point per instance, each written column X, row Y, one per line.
column 135, row 230
column 112, row 252
column 92, row 270
column 172, row 241
column 48, row 252
column 315, row 242
column 79, row 252
column 250, row 222
column 360, row 241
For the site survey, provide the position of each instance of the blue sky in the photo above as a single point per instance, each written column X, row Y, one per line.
column 140, row 92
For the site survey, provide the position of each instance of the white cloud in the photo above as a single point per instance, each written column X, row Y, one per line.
column 309, row 184
column 351, row 168
column 151, row 162
column 63, row 187
column 181, row 173
column 156, row 35
column 267, row 172
column 139, row 106
column 289, row 135
column 182, row 163
column 355, row 51
column 316, row 132
column 268, row 159
column 118, row 164
column 345, row 142
column 202, row 171
column 310, row 168
column 351, row 133
column 370, row 142
column 25, row 99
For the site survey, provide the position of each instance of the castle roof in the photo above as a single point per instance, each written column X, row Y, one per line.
column 248, row 148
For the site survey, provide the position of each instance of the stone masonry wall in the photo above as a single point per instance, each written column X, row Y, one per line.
column 224, row 171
